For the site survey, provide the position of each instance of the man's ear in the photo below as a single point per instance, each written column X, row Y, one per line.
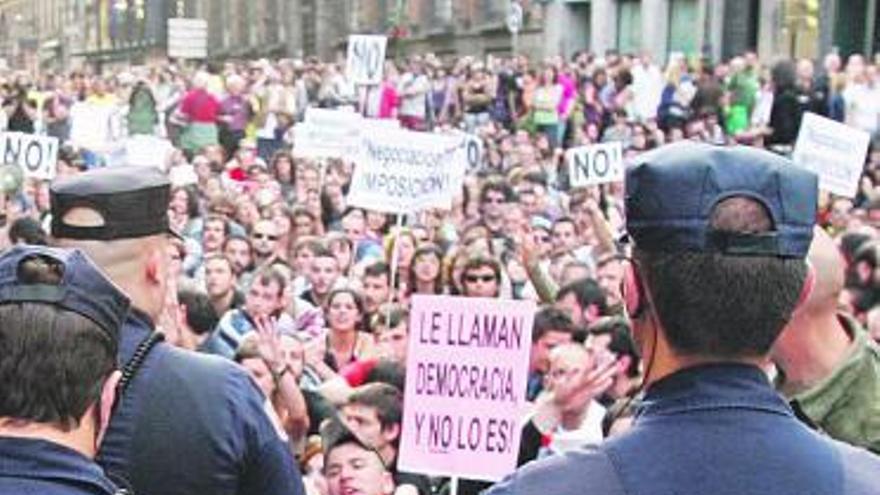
column 392, row 433
column 631, row 290
column 108, row 400
column 807, row 287
column 155, row 266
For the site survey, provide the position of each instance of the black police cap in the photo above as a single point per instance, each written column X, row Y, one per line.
column 132, row 201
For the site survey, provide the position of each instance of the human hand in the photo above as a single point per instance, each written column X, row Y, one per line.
column 269, row 342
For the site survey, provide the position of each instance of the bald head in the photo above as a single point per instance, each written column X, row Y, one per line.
column 138, row 265
column 828, row 267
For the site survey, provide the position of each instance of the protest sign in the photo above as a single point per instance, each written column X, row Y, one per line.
column 399, row 171
column 834, row 151
column 148, row 151
column 36, row 155
column 595, row 164
column 467, row 367
column 327, row 134
column 91, row 126
column 366, row 58
column 187, row 38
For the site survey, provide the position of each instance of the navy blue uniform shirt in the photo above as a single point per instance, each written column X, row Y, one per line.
column 39, row 467
column 715, row 429
column 191, row 424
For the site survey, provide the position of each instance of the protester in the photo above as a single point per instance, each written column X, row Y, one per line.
column 250, row 199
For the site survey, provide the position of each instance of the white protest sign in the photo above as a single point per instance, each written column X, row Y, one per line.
column 187, row 38
column 327, row 134
column 595, row 164
column 91, row 126
column 834, row 151
column 148, row 151
column 467, row 367
column 36, row 155
column 366, row 58
column 400, row 171
column 474, row 150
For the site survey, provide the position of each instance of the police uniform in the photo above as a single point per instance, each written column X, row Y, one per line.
column 34, row 465
column 186, row 424
column 719, row 428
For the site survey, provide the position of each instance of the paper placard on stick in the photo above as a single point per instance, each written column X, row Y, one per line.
column 595, row 164
column 834, row 151
column 327, row 134
column 36, row 155
column 400, row 171
column 467, row 367
column 366, row 58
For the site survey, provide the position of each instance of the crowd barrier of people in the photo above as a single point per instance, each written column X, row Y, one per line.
column 270, row 268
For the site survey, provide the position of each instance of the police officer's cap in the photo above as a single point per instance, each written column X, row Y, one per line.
column 132, row 202
column 82, row 288
column 671, row 192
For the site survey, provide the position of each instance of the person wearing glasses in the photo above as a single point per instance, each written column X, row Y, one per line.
column 481, row 277
column 264, row 243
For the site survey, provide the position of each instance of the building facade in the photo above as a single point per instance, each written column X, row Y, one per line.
column 56, row 34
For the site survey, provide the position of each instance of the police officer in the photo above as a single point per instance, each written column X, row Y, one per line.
column 186, row 424
column 58, row 344
column 718, row 268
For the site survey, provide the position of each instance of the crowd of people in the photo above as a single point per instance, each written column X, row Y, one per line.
column 269, row 268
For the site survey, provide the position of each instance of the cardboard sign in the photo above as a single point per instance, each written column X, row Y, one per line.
column 36, row 155
column 327, row 134
column 366, row 59
column 148, row 151
column 467, row 367
column 399, row 171
column 834, row 151
column 595, row 164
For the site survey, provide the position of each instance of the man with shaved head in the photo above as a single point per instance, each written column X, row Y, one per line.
column 829, row 367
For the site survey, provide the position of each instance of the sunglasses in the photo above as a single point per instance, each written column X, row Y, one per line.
column 266, row 236
column 479, row 278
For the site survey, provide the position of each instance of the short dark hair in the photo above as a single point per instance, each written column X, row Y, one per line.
column 267, row 276
column 386, row 399
column 214, row 217
column 587, row 292
column 389, row 315
column 549, row 319
column 28, row 230
column 621, row 342
column 721, row 305
column 200, row 315
column 53, row 362
column 497, row 185
column 378, row 269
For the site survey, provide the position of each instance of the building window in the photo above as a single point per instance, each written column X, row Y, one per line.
column 629, row 26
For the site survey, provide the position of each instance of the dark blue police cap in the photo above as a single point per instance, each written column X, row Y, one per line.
column 671, row 192
column 132, row 201
column 83, row 288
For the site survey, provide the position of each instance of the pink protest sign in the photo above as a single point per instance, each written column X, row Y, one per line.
column 467, row 367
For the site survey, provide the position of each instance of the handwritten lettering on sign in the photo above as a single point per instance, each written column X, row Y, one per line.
column 595, row 164
column 36, row 155
column 465, row 396
column 366, row 59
